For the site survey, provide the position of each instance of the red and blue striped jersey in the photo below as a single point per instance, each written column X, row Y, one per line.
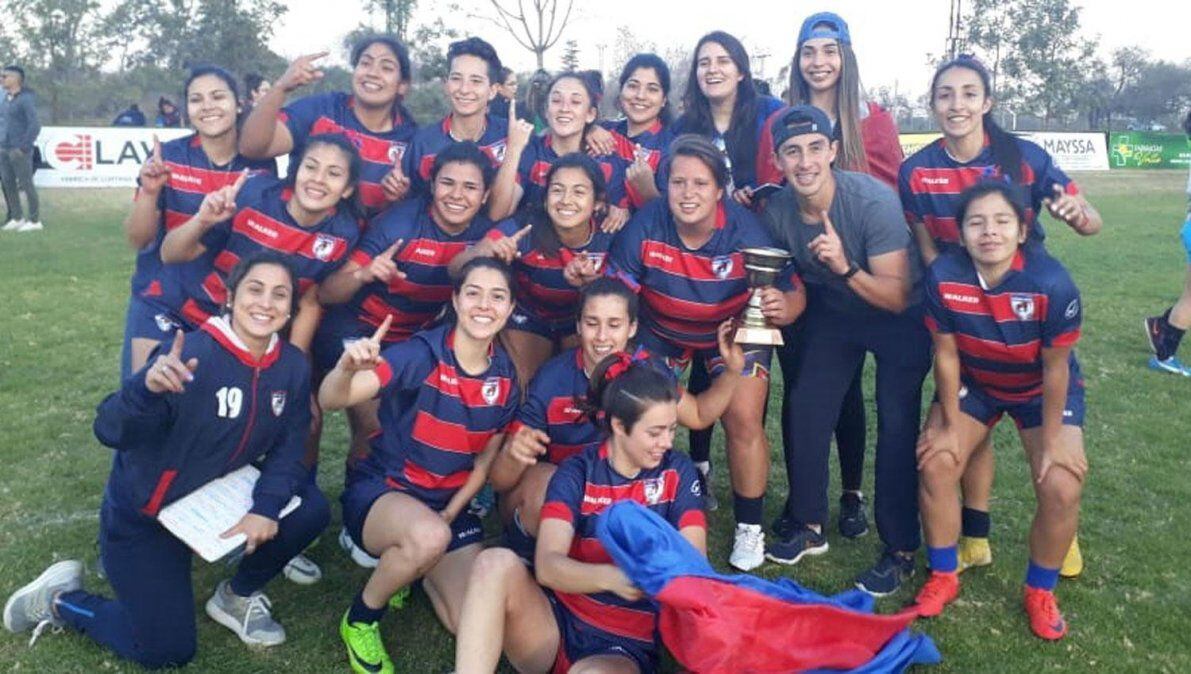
column 540, row 154
column 652, row 142
column 333, row 112
column 424, row 256
column 192, row 177
column 436, row 418
column 541, row 288
column 430, row 140
column 583, row 487
column 685, row 293
column 263, row 223
column 930, row 182
column 1001, row 331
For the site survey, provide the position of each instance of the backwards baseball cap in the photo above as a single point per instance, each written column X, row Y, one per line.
column 824, row 24
column 799, row 120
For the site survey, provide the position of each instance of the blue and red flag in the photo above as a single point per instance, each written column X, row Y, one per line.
column 713, row 622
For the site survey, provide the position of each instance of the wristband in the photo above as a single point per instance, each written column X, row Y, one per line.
column 852, row 269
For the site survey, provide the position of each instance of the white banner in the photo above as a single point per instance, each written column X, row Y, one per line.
column 1073, row 151
column 78, row 156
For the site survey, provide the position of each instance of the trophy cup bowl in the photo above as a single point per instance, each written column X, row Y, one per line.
column 761, row 265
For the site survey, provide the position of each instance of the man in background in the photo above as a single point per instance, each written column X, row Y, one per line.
column 16, row 150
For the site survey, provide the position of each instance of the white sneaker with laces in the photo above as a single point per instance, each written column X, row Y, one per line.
column 358, row 554
column 31, row 226
column 251, row 618
column 31, row 607
column 12, row 225
column 302, row 570
column 748, row 550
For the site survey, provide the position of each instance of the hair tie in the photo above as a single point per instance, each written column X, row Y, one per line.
column 618, row 368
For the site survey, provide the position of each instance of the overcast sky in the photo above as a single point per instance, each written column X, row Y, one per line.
column 892, row 39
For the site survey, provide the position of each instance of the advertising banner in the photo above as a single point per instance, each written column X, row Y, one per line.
column 1148, row 150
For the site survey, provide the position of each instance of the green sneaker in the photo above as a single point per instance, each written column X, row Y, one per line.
column 365, row 651
column 397, row 601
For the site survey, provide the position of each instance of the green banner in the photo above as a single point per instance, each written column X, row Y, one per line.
column 1145, row 149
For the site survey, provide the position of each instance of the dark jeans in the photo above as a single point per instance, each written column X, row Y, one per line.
column 16, row 176
column 830, row 349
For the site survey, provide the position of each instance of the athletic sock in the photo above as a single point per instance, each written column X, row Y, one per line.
column 363, row 613
column 976, row 523
column 943, row 560
column 748, row 510
column 1040, row 577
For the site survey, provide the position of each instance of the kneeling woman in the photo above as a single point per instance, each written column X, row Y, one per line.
column 552, row 425
column 217, row 399
column 1004, row 319
column 585, row 614
column 446, row 396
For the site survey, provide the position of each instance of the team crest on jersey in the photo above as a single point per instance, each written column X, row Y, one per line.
column 497, row 152
column 396, row 152
column 654, row 488
column 278, row 402
column 963, row 392
column 721, row 266
column 164, row 323
column 322, row 247
column 1023, row 306
column 490, row 391
column 597, row 259
column 1072, row 309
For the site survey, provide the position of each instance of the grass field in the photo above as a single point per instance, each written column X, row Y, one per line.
column 61, row 315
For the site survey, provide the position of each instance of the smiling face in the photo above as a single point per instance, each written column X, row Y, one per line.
column 569, row 109
column 693, row 193
column 458, row 194
column 323, row 179
column 483, row 303
column 261, row 303
column 604, row 327
column 642, row 96
column 211, row 106
column 646, row 443
column 468, row 87
column 959, row 102
column 570, row 199
column 805, row 160
column 377, row 79
column 991, row 231
column 717, row 74
column 821, row 63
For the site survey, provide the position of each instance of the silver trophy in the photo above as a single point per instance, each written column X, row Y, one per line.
column 762, row 266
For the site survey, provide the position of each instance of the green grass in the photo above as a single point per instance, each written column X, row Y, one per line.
column 64, row 293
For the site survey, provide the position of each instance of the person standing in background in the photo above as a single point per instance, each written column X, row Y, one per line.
column 131, row 116
column 255, row 86
column 16, row 150
column 168, row 115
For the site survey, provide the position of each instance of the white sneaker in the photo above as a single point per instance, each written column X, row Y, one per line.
column 748, row 550
column 31, row 607
column 250, row 618
column 12, row 225
column 30, row 226
column 358, row 554
column 302, row 570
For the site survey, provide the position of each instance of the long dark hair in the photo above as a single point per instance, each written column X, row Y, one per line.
column 1005, row 150
column 848, row 93
column 623, row 387
column 656, row 64
column 984, row 188
column 593, row 88
column 402, row 53
column 741, row 137
column 609, row 286
column 545, row 237
column 203, row 71
column 354, row 166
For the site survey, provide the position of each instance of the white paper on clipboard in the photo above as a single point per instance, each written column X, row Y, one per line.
column 198, row 518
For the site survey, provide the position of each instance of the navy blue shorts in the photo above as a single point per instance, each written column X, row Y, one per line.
column 338, row 327
column 517, row 539
column 146, row 321
column 526, row 320
column 678, row 359
column 363, row 490
column 578, row 640
column 988, row 410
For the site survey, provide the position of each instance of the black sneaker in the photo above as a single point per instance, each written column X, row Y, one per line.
column 710, row 502
column 790, row 549
column 887, row 575
column 853, row 523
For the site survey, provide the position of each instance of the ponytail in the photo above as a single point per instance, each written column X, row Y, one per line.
column 1005, row 149
column 622, row 386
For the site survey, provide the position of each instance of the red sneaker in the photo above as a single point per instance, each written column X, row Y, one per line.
column 939, row 590
column 1045, row 619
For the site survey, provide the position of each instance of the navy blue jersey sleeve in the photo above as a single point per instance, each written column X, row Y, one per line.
column 564, row 494
column 283, row 472
column 615, row 174
column 1064, row 310
column 938, row 317
column 383, row 232
column 300, row 116
column 688, row 500
column 624, row 258
column 134, row 417
column 910, row 207
column 1047, row 174
column 405, row 365
column 537, row 400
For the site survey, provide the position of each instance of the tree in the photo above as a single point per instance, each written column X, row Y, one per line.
column 60, row 41
column 989, row 31
column 570, row 56
column 1126, row 66
column 397, row 13
column 537, row 29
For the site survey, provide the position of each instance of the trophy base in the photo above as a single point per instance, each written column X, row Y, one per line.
column 759, row 336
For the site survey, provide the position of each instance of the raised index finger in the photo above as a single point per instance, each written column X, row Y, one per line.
column 383, row 329
column 156, row 149
column 391, row 251
column 176, row 347
column 513, row 109
column 827, row 226
column 240, row 180
column 316, row 55
column 520, row 234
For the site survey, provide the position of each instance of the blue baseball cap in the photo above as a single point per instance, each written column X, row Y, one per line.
column 824, row 24
column 799, row 120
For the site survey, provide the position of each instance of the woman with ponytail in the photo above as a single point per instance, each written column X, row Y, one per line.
column 973, row 149
column 577, row 611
